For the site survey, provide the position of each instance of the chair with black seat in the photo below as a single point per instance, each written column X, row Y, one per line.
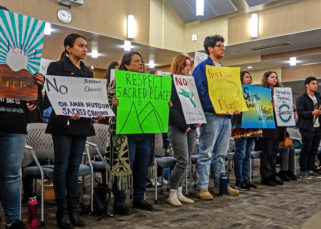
column 98, row 144
column 40, row 145
column 163, row 162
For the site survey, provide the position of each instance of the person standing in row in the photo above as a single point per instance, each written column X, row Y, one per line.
column 271, row 138
column 308, row 108
column 243, row 146
column 69, row 135
column 128, row 156
column 181, row 135
column 214, row 135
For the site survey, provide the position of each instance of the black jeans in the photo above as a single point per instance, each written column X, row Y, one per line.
column 310, row 144
column 68, row 155
column 268, row 157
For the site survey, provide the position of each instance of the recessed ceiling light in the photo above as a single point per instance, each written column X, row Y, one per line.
column 151, row 64
column 199, row 7
column 127, row 46
column 48, row 29
column 249, row 67
column 94, row 54
column 293, row 61
column 92, row 67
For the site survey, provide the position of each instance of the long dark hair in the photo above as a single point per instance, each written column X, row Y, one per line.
column 243, row 74
column 70, row 41
column 127, row 58
column 111, row 66
column 264, row 80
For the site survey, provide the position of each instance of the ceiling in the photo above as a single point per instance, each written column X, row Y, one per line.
column 252, row 3
column 186, row 9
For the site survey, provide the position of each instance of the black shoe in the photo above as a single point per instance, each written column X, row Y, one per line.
column 241, row 186
column 267, row 181
column 63, row 220
column 75, row 218
column 276, row 181
column 143, row 204
column 250, row 185
column 292, row 176
column 283, row 176
column 122, row 209
column 17, row 225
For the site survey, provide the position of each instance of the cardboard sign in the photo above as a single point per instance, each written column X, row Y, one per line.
column 259, row 102
column 283, row 105
column 225, row 89
column 188, row 96
column 143, row 102
column 199, row 57
column 86, row 97
column 21, row 41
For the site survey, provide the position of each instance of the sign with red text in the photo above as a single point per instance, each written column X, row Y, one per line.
column 86, row 97
column 225, row 89
column 188, row 96
column 21, row 48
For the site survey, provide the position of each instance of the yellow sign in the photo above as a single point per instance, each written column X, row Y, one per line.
column 225, row 89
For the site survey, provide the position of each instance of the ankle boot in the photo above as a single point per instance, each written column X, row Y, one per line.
column 63, row 220
column 183, row 198
column 283, row 176
column 75, row 218
column 173, row 199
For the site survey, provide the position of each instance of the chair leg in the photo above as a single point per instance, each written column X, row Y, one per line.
column 92, row 192
column 155, row 170
column 162, row 183
column 42, row 220
column 190, row 176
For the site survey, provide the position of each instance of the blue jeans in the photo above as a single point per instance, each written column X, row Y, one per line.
column 140, row 158
column 68, row 155
column 213, row 145
column 242, row 158
column 11, row 153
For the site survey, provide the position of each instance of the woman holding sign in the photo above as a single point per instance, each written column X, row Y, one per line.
column 244, row 141
column 128, row 154
column 181, row 135
column 69, row 135
column 271, row 139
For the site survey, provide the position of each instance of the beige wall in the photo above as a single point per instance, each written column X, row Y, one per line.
column 166, row 28
column 301, row 72
column 100, row 16
column 285, row 19
column 99, row 73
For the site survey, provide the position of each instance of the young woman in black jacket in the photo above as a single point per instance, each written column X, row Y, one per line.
column 181, row 135
column 69, row 135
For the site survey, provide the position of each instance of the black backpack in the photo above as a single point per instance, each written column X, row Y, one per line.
column 101, row 200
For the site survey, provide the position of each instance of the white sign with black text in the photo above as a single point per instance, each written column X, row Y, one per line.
column 283, row 105
column 86, row 97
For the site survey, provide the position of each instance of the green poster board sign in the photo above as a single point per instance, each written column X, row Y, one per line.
column 143, row 102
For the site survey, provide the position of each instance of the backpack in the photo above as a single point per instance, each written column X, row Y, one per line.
column 101, row 198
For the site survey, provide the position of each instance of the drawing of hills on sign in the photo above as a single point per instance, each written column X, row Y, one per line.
column 17, row 84
column 144, row 121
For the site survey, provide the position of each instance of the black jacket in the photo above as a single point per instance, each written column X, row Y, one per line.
column 63, row 125
column 304, row 107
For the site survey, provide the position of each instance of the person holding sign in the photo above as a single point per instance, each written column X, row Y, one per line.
column 271, row 139
column 308, row 108
column 13, row 130
column 244, row 141
column 128, row 156
column 69, row 135
column 214, row 135
column 181, row 135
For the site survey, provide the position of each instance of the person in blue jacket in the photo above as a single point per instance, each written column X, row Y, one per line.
column 214, row 135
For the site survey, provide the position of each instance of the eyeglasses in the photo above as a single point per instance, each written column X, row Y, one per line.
column 220, row 46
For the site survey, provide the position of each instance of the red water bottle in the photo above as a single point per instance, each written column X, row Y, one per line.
column 32, row 213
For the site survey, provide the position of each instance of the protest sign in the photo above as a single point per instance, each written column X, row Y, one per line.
column 225, row 89
column 21, row 41
column 259, row 103
column 199, row 57
column 86, row 97
column 188, row 96
column 143, row 102
column 283, row 103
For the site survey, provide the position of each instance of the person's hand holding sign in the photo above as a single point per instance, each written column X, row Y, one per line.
column 99, row 117
column 115, row 101
column 75, row 117
column 40, row 79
